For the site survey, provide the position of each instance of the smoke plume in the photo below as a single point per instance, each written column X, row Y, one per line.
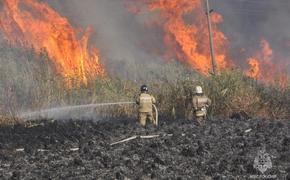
column 128, row 39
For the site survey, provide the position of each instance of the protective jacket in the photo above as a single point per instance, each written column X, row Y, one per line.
column 145, row 102
column 200, row 104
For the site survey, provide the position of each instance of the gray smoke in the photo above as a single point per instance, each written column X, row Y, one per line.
column 125, row 40
column 246, row 22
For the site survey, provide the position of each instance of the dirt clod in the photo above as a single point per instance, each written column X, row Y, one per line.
column 81, row 150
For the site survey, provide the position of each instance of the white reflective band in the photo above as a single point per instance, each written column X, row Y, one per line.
column 145, row 98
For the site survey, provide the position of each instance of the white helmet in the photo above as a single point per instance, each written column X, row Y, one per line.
column 198, row 90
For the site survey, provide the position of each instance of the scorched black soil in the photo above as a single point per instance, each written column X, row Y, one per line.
column 81, row 150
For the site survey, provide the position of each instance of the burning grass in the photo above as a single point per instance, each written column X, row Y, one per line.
column 36, row 78
column 29, row 81
column 231, row 92
column 29, row 22
column 186, row 39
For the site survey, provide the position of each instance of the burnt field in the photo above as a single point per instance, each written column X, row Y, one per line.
column 81, row 150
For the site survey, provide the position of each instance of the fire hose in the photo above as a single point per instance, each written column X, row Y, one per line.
column 156, row 114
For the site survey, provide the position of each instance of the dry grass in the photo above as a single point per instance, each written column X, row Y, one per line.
column 29, row 82
column 8, row 121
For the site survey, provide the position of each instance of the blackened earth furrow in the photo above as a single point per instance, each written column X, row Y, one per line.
column 81, row 150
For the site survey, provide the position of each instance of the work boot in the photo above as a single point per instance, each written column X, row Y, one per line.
column 200, row 121
column 150, row 126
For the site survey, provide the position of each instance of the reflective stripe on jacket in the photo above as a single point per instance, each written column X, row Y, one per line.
column 199, row 102
column 145, row 102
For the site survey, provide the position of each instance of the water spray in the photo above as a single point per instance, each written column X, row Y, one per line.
column 60, row 111
column 67, row 111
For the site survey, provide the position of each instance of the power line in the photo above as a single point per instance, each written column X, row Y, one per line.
column 257, row 1
column 242, row 10
column 249, row 11
column 246, row 11
column 243, row 13
column 256, row 6
column 252, row 10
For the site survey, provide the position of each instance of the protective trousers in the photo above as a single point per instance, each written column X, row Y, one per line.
column 200, row 116
column 143, row 116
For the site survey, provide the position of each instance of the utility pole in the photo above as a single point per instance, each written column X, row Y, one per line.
column 213, row 62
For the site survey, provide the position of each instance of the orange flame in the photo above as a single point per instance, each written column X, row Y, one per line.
column 34, row 23
column 254, row 70
column 263, row 68
column 190, row 42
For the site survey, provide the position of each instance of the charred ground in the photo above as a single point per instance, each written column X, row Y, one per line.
column 222, row 149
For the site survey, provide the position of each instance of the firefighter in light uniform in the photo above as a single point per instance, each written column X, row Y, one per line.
column 145, row 102
column 200, row 103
